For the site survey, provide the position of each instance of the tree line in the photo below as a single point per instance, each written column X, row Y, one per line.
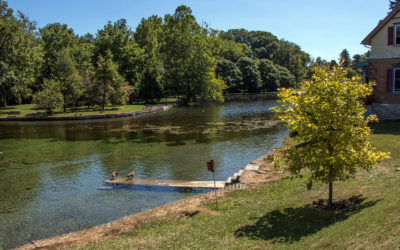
column 163, row 57
column 345, row 60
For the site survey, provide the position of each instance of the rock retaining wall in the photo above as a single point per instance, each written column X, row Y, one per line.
column 253, row 166
column 384, row 111
column 268, row 96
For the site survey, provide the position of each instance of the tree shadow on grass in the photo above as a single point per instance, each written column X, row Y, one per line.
column 291, row 224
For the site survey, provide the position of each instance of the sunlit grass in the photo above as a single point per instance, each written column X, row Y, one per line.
column 29, row 110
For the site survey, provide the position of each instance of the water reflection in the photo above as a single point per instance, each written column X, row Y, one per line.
column 50, row 172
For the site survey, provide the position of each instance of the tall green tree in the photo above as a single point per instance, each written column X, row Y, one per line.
column 274, row 76
column 344, row 58
column 333, row 63
column 188, row 61
column 83, row 54
column 290, row 56
column 118, row 38
column 393, row 4
column 269, row 74
column 231, row 74
column 237, row 35
column 250, row 75
column 286, row 79
column 264, row 45
column 67, row 75
column 50, row 97
column 20, row 55
column 328, row 115
column 148, row 35
column 56, row 37
column 227, row 49
column 109, row 82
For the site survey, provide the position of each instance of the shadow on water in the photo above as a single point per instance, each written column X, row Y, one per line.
column 291, row 224
column 160, row 189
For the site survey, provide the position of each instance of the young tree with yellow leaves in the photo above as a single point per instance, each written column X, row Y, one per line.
column 328, row 116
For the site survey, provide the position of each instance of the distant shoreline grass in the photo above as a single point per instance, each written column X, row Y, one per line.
column 30, row 111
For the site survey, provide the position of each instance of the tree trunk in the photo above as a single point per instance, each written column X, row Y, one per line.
column 65, row 104
column 187, row 100
column 104, row 98
column 330, row 194
column 330, row 181
column 3, row 98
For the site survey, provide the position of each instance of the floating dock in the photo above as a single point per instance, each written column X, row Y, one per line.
column 166, row 183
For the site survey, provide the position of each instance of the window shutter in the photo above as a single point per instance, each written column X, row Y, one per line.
column 389, row 80
column 390, row 35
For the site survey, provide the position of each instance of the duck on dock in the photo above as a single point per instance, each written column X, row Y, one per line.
column 114, row 174
column 131, row 174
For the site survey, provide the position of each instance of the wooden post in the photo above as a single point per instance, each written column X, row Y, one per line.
column 215, row 191
column 211, row 167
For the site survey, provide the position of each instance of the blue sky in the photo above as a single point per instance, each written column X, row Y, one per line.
column 321, row 28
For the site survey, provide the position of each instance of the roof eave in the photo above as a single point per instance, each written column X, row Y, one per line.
column 368, row 38
column 366, row 41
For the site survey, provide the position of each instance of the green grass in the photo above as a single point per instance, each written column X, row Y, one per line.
column 29, row 110
column 280, row 215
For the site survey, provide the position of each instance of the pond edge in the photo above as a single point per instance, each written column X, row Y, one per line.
column 89, row 117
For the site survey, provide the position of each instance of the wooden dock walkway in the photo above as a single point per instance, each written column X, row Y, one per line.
column 166, row 183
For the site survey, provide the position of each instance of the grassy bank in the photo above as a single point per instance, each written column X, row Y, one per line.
column 29, row 110
column 280, row 215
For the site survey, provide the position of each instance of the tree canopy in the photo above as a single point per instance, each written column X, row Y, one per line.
column 20, row 55
column 188, row 60
column 393, row 4
column 170, row 56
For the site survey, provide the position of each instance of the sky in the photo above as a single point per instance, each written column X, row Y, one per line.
column 320, row 28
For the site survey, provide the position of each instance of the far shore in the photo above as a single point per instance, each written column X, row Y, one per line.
column 88, row 117
column 20, row 114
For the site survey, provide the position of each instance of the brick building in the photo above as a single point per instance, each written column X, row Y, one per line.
column 383, row 66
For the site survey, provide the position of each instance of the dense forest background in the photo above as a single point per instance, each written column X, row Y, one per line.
column 163, row 57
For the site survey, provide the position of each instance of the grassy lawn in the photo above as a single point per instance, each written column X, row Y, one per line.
column 280, row 215
column 29, row 110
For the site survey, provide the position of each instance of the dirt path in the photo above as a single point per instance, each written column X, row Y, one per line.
column 178, row 209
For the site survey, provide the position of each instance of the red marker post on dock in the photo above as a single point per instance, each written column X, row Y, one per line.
column 211, row 168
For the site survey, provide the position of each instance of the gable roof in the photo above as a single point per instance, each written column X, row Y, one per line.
column 367, row 39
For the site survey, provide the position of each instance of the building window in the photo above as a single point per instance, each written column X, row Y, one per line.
column 396, row 81
column 397, row 35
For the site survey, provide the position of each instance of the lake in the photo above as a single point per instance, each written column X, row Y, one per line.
column 52, row 173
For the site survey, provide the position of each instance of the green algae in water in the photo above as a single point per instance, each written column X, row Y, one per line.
column 50, row 172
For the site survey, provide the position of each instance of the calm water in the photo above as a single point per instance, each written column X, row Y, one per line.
column 52, row 173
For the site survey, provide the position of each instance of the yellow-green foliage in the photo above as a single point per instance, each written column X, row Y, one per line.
column 327, row 114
